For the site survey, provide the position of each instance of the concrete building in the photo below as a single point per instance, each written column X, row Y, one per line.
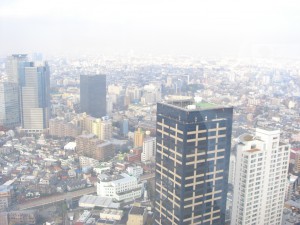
column 137, row 216
column 192, row 162
column 261, row 177
column 3, row 218
column 231, row 173
column 135, row 171
column 90, row 146
column 102, row 128
column 292, row 185
column 149, row 149
column 297, row 162
column 6, row 195
column 9, row 105
column 61, row 128
column 111, row 214
column 22, row 217
column 88, row 162
column 119, row 187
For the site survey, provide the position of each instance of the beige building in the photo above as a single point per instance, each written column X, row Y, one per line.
column 22, row 217
column 137, row 216
column 111, row 214
column 297, row 162
column 139, row 136
column 90, row 146
column 60, row 128
column 3, row 218
column 102, row 128
column 6, row 192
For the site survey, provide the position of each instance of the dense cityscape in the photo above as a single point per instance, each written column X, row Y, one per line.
column 158, row 112
column 83, row 140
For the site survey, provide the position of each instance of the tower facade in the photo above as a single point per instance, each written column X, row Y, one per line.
column 192, row 162
column 93, row 95
column 9, row 105
column 261, row 177
column 13, row 65
column 35, row 99
column 149, row 149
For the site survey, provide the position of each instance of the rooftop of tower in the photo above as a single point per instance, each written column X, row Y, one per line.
column 188, row 103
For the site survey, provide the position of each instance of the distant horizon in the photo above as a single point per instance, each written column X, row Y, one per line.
column 209, row 29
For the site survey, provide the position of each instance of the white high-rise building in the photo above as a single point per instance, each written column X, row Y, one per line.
column 35, row 99
column 260, row 179
column 149, row 147
column 14, row 64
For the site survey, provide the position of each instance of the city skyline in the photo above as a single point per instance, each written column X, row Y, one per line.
column 149, row 112
column 265, row 29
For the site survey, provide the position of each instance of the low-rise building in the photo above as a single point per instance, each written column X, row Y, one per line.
column 22, row 217
column 111, row 214
column 120, row 187
column 135, row 171
column 137, row 216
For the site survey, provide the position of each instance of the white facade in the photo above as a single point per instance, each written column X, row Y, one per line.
column 231, row 172
column 106, row 130
column 87, row 161
column 35, row 99
column 260, row 179
column 135, row 171
column 149, row 149
column 119, row 187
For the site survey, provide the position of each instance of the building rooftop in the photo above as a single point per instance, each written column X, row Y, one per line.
column 117, row 179
column 189, row 104
column 94, row 201
column 246, row 137
column 135, row 210
column 103, row 221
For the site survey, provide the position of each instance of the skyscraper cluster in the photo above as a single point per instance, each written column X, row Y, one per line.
column 192, row 166
column 25, row 97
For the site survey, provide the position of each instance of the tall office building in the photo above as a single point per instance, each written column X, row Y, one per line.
column 9, row 105
column 192, row 160
column 14, row 65
column 35, row 99
column 93, row 95
column 261, row 178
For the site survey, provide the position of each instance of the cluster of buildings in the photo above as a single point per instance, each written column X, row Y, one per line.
column 212, row 164
column 25, row 95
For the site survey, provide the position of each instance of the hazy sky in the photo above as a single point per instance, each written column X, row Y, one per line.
column 202, row 28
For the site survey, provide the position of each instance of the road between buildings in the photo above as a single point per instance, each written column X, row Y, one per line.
column 56, row 198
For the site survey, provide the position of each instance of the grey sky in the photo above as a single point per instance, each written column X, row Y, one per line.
column 202, row 28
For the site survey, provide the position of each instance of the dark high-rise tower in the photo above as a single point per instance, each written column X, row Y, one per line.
column 93, row 95
column 192, row 162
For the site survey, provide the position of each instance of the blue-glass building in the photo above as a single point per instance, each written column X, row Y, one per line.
column 93, row 95
column 192, row 162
